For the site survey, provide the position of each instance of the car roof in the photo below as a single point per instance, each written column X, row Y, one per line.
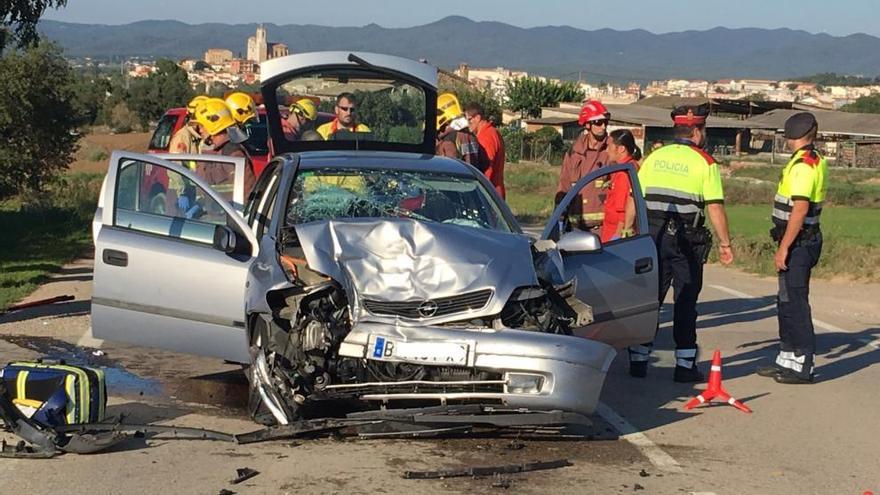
column 389, row 160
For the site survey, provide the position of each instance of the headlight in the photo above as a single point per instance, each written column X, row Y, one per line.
column 521, row 383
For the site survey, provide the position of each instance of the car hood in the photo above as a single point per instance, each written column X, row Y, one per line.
column 398, row 260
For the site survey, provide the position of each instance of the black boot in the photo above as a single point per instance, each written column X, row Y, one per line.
column 638, row 369
column 638, row 360
column 798, row 370
column 687, row 375
column 769, row 371
column 686, row 366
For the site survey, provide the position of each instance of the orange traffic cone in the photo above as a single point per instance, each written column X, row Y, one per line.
column 715, row 390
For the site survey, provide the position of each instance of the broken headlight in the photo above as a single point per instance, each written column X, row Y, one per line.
column 523, row 383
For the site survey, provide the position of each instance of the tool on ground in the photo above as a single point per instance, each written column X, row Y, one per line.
column 41, row 302
column 715, row 390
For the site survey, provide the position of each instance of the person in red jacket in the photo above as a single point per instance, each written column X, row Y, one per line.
column 619, row 207
column 491, row 142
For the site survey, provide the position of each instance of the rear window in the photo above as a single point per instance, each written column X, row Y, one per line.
column 162, row 135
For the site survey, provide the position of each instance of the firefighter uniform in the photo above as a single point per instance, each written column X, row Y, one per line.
column 803, row 178
column 677, row 181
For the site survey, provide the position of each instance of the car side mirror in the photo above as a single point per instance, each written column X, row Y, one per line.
column 226, row 240
column 578, row 241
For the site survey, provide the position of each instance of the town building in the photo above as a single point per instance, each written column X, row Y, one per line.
column 259, row 49
column 218, row 56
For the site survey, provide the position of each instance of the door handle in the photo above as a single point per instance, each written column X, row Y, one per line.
column 644, row 265
column 114, row 257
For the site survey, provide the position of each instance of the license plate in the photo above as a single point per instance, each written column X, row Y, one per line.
column 438, row 353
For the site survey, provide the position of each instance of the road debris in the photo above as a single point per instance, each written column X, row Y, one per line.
column 644, row 474
column 486, row 471
column 243, row 474
column 41, row 302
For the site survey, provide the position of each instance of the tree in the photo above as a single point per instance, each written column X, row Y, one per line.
column 528, row 94
column 37, row 118
column 90, row 95
column 18, row 21
column 865, row 104
column 166, row 88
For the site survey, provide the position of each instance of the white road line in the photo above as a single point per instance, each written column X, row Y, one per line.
column 659, row 458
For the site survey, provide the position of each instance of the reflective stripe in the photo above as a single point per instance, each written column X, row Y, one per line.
column 675, row 193
column 731, row 401
column 639, row 353
column 701, row 399
column 715, row 368
column 21, row 385
column 686, row 353
column 685, row 363
column 671, row 207
column 782, row 199
column 70, row 388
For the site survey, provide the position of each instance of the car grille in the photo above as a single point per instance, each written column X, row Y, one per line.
column 421, row 309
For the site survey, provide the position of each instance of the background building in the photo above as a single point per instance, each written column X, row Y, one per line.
column 218, row 56
column 259, row 49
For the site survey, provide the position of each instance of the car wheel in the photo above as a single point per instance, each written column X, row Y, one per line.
column 265, row 404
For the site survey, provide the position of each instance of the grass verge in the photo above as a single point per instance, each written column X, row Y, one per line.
column 42, row 233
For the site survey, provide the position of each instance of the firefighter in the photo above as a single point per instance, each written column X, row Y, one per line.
column 491, row 143
column 242, row 107
column 188, row 139
column 453, row 136
column 303, row 114
column 222, row 137
column 678, row 182
column 345, row 118
column 588, row 153
column 796, row 211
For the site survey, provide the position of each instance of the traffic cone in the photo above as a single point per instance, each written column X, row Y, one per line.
column 715, row 390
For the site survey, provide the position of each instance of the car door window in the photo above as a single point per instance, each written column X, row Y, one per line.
column 157, row 200
column 260, row 207
column 604, row 206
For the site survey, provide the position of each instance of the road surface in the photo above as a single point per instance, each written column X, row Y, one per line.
column 815, row 439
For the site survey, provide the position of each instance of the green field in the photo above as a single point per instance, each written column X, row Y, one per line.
column 850, row 220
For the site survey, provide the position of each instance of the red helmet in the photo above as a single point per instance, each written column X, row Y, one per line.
column 593, row 110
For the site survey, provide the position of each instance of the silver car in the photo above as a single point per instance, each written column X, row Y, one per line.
column 364, row 271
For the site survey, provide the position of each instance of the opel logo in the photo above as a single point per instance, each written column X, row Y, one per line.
column 428, row 309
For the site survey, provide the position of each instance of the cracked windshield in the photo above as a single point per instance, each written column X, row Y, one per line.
column 331, row 194
column 351, row 104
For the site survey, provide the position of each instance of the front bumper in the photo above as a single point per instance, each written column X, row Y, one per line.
column 572, row 369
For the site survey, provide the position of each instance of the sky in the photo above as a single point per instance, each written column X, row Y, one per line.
column 838, row 18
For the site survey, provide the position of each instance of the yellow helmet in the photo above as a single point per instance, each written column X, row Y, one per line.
column 242, row 107
column 191, row 106
column 448, row 109
column 306, row 108
column 213, row 114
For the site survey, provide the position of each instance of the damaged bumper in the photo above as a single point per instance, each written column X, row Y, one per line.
column 536, row 371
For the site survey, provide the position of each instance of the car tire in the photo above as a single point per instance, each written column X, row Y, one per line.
column 257, row 407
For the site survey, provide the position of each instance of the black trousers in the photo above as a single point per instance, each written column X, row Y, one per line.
column 796, row 332
column 682, row 270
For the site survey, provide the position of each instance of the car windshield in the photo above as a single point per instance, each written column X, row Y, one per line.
column 362, row 105
column 329, row 194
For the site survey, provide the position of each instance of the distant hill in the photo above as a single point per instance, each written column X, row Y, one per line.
column 552, row 50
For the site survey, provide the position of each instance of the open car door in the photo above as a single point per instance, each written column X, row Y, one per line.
column 618, row 278
column 170, row 269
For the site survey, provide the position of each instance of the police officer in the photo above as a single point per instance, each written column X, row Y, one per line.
column 678, row 182
column 796, row 211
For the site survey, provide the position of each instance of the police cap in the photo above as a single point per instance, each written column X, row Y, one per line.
column 690, row 115
column 799, row 125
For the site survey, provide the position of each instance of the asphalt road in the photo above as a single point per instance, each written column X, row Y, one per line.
column 801, row 439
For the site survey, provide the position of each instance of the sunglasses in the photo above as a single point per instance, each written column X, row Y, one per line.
column 345, row 109
column 599, row 123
